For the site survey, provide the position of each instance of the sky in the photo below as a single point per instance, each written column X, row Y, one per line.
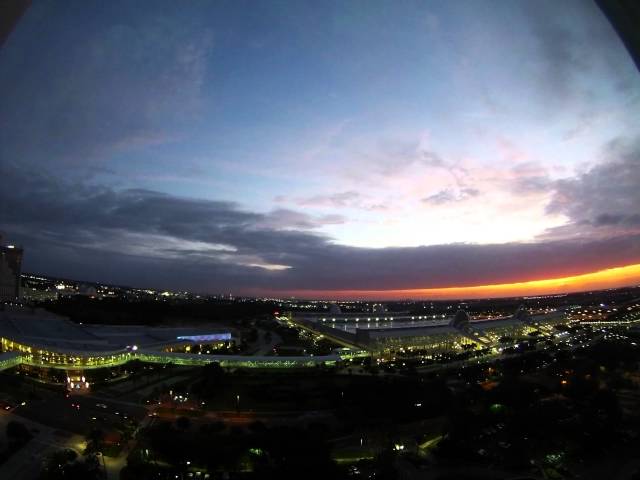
column 361, row 149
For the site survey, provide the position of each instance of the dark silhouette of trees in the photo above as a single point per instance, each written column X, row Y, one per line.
column 65, row 465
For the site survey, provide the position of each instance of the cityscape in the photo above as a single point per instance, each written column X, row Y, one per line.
column 319, row 240
column 250, row 376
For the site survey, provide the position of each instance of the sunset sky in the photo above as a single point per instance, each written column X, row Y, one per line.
column 602, row 279
column 348, row 149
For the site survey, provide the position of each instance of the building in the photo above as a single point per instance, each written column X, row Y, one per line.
column 10, row 272
column 385, row 334
column 55, row 349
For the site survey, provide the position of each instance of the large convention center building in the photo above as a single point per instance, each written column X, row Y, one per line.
column 383, row 333
column 56, row 349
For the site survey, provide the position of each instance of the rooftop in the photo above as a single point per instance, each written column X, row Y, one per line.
column 44, row 329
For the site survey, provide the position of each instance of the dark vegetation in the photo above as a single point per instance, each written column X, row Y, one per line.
column 558, row 412
column 257, row 452
column 66, row 465
column 551, row 411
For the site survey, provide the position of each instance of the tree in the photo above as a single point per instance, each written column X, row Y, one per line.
column 65, row 465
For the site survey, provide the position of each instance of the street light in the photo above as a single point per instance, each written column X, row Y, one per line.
column 237, row 402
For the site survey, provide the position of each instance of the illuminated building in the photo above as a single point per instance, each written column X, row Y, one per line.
column 10, row 270
column 55, row 349
column 383, row 334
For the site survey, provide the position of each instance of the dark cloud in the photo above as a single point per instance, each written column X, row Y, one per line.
column 88, row 215
column 607, row 219
column 283, row 218
column 464, row 264
column 603, row 201
column 144, row 237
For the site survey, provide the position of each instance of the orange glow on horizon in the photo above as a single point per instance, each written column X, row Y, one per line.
column 609, row 278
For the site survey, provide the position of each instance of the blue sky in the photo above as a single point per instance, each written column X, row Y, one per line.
column 369, row 125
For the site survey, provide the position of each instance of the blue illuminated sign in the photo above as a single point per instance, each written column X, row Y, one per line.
column 212, row 337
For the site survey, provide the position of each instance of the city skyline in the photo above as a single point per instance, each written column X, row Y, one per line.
column 349, row 151
column 336, row 239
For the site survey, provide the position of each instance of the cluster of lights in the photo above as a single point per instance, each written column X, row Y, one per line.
column 77, row 383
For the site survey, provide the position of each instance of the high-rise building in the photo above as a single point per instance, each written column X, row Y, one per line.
column 10, row 270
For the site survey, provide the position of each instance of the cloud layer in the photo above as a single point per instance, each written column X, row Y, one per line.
column 605, row 200
column 224, row 146
column 84, row 230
